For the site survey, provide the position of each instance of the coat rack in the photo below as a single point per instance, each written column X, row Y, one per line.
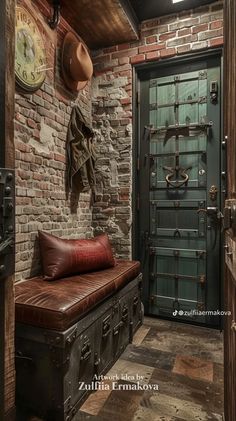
column 55, row 19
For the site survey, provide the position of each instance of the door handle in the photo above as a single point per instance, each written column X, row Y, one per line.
column 210, row 210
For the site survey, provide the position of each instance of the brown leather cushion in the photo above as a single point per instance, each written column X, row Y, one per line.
column 61, row 257
column 59, row 304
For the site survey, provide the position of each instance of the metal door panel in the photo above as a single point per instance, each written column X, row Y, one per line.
column 186, row 222
column 196, row 142
column 195, row 166
column 180, row 161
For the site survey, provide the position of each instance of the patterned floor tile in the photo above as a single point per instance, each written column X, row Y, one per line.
column 131, row 371
column 169, row 406
column 147, row 414
column 185, row 361
column 96, row 400
column 149, row 356
column 193, row 367
column 140, row 335
column 121, row 405
column 178, row 338
column 209, row 395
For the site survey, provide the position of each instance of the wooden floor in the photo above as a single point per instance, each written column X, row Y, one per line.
column 186, row 362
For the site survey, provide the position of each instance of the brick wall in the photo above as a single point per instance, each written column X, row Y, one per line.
column 41, row 123
column 168, row 36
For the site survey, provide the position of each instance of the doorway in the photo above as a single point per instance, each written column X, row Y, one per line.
column 179, row 188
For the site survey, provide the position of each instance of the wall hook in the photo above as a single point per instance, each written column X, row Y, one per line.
column 54, row 21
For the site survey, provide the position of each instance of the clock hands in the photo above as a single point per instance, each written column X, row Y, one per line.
column 28, row 47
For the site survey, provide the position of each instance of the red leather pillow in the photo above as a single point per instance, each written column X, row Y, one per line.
column 62, row 257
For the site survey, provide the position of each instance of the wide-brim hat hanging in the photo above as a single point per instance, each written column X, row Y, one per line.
column 77, row 66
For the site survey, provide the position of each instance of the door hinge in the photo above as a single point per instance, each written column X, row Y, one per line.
column 138, row 98
column 138, row 163
column 229, row 216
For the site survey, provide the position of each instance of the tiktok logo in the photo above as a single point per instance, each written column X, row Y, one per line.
column 175, row 313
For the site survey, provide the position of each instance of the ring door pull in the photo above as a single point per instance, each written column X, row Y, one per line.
column 85, row 351
column 177, row 184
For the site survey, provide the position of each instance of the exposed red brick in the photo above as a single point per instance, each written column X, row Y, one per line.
column 125, row 101
column 168, row 52
column 150, row 32
column 102, row 59
column 168, row 35
column 137, row 59
column 123, row 60
column 216, row 42
column 124, row 53
column 200, row 28
column 150, row 23
column 151, row 39
column 183, row 32
column 184, row 49
column 153, row 55
column 125, row 46
column 216, row 24
column 153, row 47
column 109, row 50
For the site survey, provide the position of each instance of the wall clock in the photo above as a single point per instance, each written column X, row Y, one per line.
column 30, row 58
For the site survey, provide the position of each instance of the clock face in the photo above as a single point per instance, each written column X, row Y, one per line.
column 30, row 59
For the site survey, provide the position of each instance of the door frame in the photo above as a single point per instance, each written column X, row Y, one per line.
column 155, row 65
column 7, row 160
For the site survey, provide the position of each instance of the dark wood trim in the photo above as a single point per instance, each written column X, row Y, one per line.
column 7, row 160
column 179, row 59
column 2, row 164
column 10, row 83
column 230, row 92
column 104, row 24
column 10, row 415
column 230, row 273
column 2, row 79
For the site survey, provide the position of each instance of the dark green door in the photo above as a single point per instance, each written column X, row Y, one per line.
column 179, row 190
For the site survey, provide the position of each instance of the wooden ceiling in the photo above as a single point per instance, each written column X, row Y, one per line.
column 101, row 23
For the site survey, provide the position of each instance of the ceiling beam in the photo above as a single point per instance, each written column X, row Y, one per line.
column 101, row 23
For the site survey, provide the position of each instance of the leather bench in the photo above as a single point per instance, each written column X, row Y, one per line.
column 69, row 330
column 59, row 304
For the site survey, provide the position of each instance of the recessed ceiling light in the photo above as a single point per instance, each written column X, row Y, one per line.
column 176, row 1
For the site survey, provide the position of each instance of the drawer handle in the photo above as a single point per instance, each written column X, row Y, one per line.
column 23, row 358
column 135, row 302
column 106, row 329
column 85, row 352
column 233, row 326
column 117, row 328
column 125, row 313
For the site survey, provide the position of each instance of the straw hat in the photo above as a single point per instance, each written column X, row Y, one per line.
column 77, row 66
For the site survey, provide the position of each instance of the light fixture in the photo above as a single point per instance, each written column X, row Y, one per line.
column 176, row 1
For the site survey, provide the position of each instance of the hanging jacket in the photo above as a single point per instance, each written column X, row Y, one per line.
column 81, row 154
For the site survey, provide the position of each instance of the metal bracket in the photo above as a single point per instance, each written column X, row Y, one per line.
column 213, row 193
column 54, row 21
column 229, row 215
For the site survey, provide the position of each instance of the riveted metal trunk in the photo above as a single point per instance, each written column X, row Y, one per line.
column 51, row 366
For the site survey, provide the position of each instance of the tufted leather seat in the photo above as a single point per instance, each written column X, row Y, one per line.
column 59, row 304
